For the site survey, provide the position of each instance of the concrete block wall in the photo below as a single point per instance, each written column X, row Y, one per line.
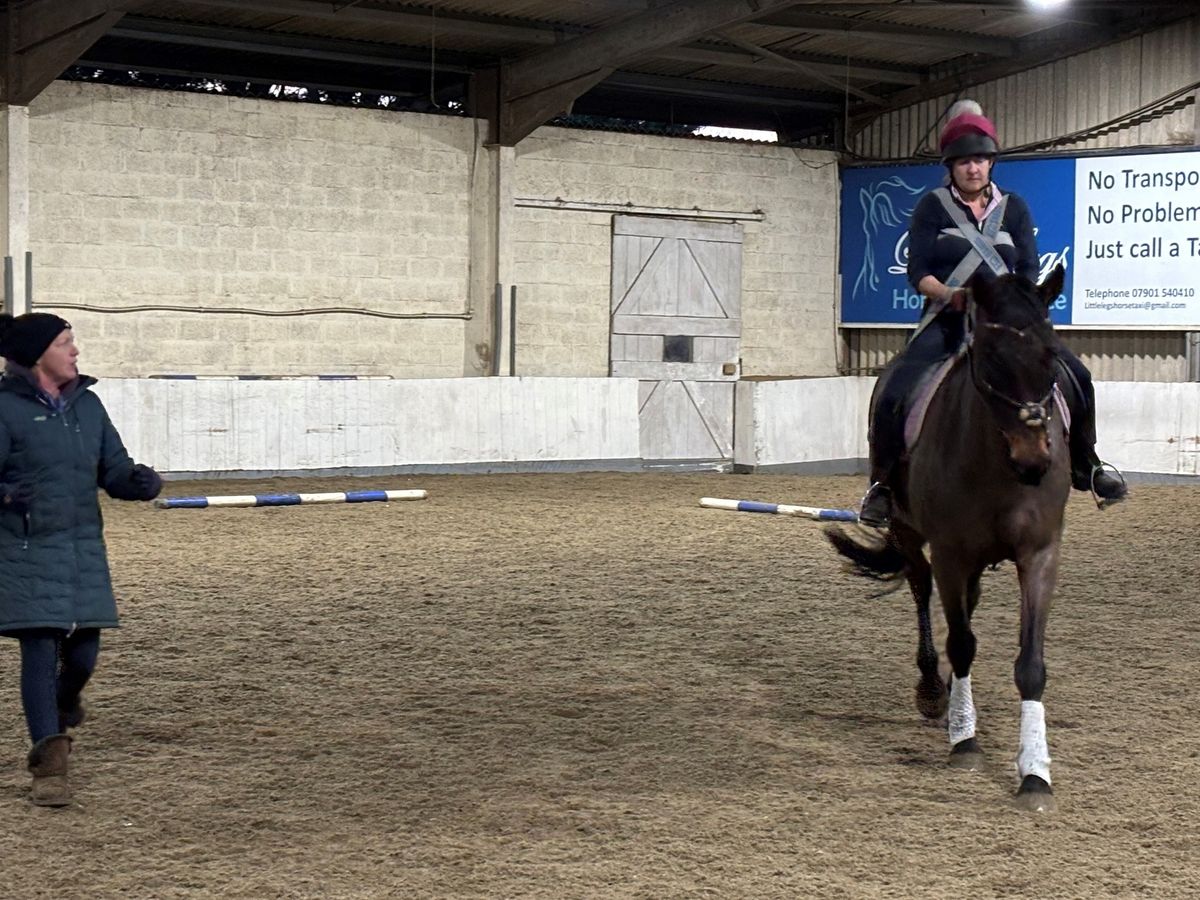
column 151, row 198
column 203, row 201
column 562, row 264
column 789, row 259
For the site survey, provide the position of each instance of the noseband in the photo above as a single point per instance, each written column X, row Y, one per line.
column 1034, row 413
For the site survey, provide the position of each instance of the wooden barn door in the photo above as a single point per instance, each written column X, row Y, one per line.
column 676, row 326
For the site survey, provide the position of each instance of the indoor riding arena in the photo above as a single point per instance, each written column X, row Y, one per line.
column 615, row 295
column 586, row 685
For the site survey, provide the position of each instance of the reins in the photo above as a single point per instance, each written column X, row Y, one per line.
column 1034, row 413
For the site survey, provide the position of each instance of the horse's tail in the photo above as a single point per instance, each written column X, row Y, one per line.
column 871, row 557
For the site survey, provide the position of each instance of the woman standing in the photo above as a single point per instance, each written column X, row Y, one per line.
column 964, row 228
column 57, row 446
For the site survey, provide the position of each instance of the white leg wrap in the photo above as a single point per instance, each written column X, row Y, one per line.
column 961, row 715
column 1034, row 756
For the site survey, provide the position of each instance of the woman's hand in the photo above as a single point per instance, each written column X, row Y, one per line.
column 147, row 484
column 16, row 497
column 942, row 295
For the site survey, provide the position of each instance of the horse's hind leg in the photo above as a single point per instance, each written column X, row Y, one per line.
column 932, row 695
column 959, row 591
column 1037, row 573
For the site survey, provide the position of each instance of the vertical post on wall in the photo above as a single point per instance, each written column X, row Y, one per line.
column 14, row 195
column 28, row 281
column 505, row 184
column 1192, row 349
column 1196, row 117
column 497, row 327
column 8, row 286
column 512, row 331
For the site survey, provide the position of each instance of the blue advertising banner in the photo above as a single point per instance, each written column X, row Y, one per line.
column 877, row 204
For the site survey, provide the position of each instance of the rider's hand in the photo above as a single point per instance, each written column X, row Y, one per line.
column 958, row 300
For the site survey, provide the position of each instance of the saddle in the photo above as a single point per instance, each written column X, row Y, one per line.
column 918, row 403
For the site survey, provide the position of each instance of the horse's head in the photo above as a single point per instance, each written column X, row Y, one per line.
column 1012, row 361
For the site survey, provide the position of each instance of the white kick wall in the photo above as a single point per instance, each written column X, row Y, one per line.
column 221, row 427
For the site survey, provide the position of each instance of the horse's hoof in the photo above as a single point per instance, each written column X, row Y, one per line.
column 967, row 756
column 1035, row 795
column 932, row 698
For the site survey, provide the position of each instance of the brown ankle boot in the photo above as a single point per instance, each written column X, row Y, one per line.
column 48, row 763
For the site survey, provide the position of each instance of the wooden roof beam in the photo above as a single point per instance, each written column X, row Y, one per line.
column 547, row 36
column 887, row 32
column 272, row 43
column 709, row 90
column 803, row 68
column 323, row 10
column 41, row 38
column 1036, row 53
column 535, row 88
column 855, row 69
column 1004, row 7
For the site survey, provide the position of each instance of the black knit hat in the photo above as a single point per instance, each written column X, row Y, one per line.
column 24, row 339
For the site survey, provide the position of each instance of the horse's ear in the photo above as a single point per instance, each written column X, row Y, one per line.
column 1050, row 289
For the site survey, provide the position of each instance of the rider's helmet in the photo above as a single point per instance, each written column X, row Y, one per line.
column 968, row 132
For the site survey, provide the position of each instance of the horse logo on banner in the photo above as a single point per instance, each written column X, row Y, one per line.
column 886, row 205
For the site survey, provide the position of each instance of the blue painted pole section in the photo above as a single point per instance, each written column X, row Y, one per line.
column 838, row 515
column 365, row 496
column 277, row 500
column 756, row 506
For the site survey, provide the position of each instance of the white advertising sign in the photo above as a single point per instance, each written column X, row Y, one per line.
column 1137, row 240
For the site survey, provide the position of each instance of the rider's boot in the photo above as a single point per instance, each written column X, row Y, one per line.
column 886, row 443
column 1088, row 473
column 876, row 508
column 928, row 348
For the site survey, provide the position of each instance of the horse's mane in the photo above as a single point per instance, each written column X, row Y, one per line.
column 1018, row 304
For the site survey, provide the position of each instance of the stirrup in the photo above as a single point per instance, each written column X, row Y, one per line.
column 882, row 491
column 1104, row 502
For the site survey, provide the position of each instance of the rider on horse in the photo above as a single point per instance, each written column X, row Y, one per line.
column 965, row 228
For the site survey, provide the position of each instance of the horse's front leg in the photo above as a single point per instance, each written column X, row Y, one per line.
column 959, row 590
column 1037, row 573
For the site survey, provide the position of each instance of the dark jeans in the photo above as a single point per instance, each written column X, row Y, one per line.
column 937, row 343
column 54, row 668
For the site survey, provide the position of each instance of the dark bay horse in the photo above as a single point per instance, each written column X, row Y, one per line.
column 987, row 480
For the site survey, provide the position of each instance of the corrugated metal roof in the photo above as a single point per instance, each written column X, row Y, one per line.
column 890, row 50
column 1075, row 94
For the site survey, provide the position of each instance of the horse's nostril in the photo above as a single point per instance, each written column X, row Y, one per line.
column 1031, row 475
column 1029, row 463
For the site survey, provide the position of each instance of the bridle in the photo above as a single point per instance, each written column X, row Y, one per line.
column 1034, row 413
